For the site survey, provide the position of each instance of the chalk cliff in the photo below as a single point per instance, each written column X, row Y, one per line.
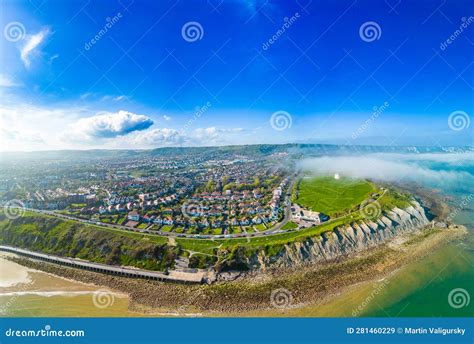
column 343, row 241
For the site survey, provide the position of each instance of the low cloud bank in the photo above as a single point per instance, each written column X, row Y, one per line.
column 459, row 158
column 388, row 167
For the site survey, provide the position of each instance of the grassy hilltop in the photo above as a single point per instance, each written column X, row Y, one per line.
column 333, row 196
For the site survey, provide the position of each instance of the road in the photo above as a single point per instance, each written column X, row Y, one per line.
column 273, row 230
column 277, row 229
column 287, row 214
column 173, row 276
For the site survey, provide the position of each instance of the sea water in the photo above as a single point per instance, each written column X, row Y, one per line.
column 429, row 287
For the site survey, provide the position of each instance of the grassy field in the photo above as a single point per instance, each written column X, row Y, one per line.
column 333, row 197
column 290, row 225
column 260, row 227
column 394, row 199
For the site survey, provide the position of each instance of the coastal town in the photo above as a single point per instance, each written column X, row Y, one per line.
column 185, row 194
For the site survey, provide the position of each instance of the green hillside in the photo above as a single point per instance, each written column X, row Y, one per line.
column 331, row 196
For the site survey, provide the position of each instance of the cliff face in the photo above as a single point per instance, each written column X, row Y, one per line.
column 346, row 240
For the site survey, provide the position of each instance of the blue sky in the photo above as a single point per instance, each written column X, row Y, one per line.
column 128, row 74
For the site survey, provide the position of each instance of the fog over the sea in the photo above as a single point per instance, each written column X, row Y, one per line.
column 393, row 167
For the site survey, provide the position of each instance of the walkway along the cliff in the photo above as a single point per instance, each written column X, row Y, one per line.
column 173, row 276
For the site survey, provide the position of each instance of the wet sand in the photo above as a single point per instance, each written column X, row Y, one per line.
column 28, row 292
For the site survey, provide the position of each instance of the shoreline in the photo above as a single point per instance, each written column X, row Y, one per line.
column 310, row 285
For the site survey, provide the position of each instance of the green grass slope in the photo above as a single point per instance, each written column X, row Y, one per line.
column 73, row 239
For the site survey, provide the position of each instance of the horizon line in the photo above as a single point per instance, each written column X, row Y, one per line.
column 231, row 145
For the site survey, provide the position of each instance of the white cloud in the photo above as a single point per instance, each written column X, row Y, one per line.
column 25, row 126
column 85, row 95
column 32, row 42
column 232, row 130
column 215, row 133
column 6, row 81
column 158, row 137
column 210, row 133
column 7, row 137
column 110, row 125
column 52, row 58
column 102, row 98
column 166, row 118
column 114, row 98
column 456, row 158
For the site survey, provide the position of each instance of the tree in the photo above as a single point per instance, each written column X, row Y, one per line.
column 210, row 185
